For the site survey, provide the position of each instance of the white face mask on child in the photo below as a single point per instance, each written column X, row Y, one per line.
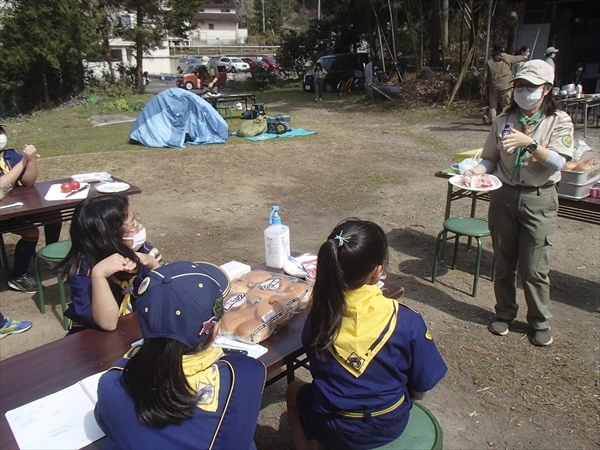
column 138, row 239
column 3, row 141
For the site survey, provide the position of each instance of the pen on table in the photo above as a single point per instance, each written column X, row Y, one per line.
column 78, row 190
column 235, row 350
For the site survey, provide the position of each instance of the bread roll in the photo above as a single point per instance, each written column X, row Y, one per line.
column 275, row 283
column 252, row 331
column 585, row 164
column 256, row 276
column 240, row 285
column 297, row 289
column 231, row 320
column 265, row 310
column 570, row 165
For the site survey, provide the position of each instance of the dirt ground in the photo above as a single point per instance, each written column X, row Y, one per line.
column 212, row 203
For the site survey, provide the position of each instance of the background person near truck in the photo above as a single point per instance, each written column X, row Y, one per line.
column 208, row 76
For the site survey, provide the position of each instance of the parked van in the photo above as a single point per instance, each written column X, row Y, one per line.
column 339, row 67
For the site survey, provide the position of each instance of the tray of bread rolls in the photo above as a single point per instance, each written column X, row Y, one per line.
column 260, row 302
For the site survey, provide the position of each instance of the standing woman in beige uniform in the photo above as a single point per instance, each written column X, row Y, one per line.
column 526, row 148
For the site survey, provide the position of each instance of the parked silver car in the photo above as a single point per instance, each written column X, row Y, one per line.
column 185, row 61
column 234, row 64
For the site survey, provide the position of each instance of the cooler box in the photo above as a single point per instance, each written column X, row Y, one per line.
column 467, row 154
column 281, row 118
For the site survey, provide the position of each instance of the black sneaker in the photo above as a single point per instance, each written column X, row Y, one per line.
column 24, row 284
column 541, row 338
column 499, row 326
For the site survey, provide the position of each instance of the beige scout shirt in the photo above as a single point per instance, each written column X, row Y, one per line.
column 553, row 132
column 498, row 69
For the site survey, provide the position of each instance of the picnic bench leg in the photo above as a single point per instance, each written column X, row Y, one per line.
column 4, row 258
column 585, row 120
column 290, row 372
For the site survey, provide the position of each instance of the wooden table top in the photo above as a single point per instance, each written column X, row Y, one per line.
column 36, row 211
column 57, row 365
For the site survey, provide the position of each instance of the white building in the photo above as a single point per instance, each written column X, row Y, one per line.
column 218, row 25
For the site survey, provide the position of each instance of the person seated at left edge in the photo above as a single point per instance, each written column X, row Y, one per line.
column 177, row 390
column 14, row 169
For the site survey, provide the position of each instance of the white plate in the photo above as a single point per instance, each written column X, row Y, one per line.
column 111, row 188
column 457, row 178
column 291, row 269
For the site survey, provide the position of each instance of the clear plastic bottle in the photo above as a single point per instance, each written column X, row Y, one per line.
column 277, row 241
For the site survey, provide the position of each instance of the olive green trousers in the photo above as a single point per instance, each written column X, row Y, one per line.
column 522, row 224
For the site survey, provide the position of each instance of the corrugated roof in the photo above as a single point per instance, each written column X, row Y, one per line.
column 203, row 17
column 219, row 5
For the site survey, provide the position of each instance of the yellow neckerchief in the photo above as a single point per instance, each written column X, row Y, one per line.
column 126, row 290
column 3, row 166
column 203, row 376
column 367, row 324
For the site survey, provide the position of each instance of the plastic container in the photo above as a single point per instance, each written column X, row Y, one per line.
column 574, row 191
column 281, row 118
column 277, row 241
column 584, row 177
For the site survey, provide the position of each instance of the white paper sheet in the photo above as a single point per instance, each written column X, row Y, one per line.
column 62, row 420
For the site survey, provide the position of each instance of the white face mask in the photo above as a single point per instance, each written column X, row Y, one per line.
column 528, row 100
column 138, row 239
column 3, row 141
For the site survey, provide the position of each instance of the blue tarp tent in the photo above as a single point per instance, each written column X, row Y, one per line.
column 176, row 117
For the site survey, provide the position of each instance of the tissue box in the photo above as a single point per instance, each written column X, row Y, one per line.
column 468, row 154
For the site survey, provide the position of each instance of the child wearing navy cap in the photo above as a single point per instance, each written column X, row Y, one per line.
column 177, row 390
column 370, row 356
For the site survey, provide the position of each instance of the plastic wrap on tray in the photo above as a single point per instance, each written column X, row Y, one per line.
column 260, row 302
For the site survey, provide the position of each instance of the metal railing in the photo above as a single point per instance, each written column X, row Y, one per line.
column 213, row 50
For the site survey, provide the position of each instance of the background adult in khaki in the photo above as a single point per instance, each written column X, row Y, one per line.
column 526, row 148
column 208, row 76
column 498, row 77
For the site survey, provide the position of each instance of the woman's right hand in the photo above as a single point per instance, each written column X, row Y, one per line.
column 113, row 264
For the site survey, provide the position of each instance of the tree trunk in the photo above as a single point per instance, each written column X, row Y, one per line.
column 434, row 44
column 108, row 60
column 413, row 34
column 444, row 26
column 394, row 6
column 139, row 47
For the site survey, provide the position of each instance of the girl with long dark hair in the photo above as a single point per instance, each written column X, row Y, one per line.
column 176, row 390
column 369, row 355
column 108, row 258
column 526, row 148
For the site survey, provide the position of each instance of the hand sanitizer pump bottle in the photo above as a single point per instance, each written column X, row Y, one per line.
column 277, row 241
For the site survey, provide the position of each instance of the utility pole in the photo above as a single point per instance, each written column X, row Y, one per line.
column 487, row 35
column 319, row 10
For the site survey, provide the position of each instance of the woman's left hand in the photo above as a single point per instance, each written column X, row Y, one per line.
column 148, row 261
column 514, row 140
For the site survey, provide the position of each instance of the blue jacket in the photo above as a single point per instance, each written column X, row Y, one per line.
column 231, row 427
column 80, row 308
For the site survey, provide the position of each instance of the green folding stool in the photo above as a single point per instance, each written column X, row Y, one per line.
column 53, row 253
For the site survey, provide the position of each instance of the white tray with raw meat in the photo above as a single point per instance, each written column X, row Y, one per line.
column 479, row 183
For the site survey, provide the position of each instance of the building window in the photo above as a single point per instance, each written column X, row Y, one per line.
column 211, row 26
column 225, row 10
column 125, row 21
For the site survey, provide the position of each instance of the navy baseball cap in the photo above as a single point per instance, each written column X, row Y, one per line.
column 182, row 301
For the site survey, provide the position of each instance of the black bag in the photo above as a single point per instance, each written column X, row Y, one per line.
column 249, row 114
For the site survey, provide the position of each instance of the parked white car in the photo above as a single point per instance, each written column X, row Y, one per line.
column 234, row 64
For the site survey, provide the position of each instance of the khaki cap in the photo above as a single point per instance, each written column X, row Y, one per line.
column 536, row 71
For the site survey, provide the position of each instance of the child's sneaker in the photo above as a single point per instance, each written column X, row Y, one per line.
column 541, row 338
column 14, row 327
column 24, row 283
column 499, row 326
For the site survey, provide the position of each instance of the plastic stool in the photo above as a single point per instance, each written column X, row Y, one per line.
column 53, row 253
column 422, row 432
column 462, row 226
column 223, row 109
column 260, row 107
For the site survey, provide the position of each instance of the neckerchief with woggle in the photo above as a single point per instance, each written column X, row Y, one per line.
column 521, row 151
column 203, row 376
column 367, row 324
column 4, row 168
column 127, row 291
